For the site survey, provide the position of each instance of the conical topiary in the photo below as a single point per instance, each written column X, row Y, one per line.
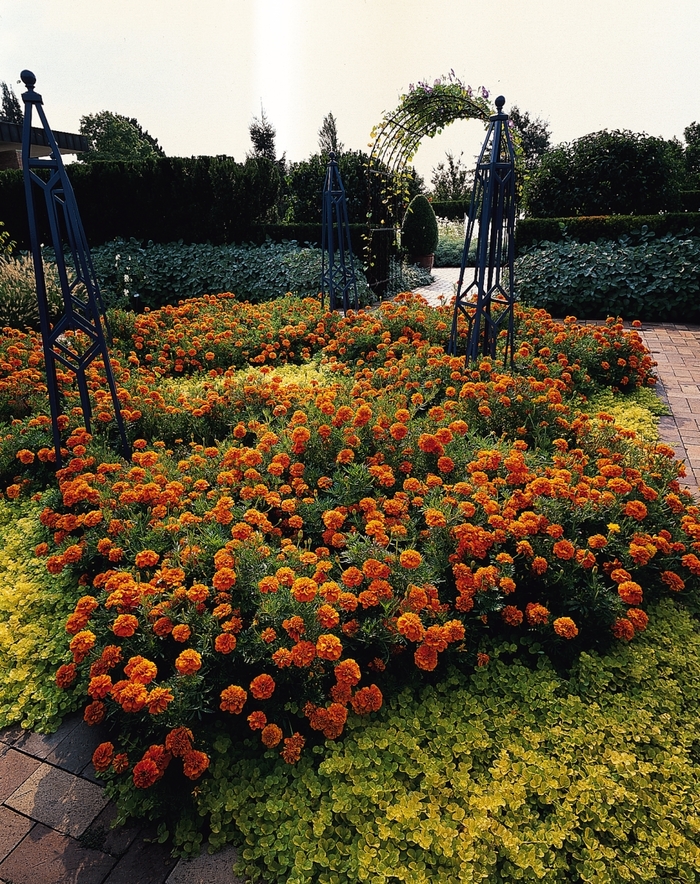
column 419, row 233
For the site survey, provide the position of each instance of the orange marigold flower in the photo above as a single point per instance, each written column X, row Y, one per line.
column 410, row 559
column 565, row 627
column 303, row 653
column 292, row 748
column 692, row 563
column 188, row 662
column 539, row 564
column 159, row 700
column 597, row 541
column 125, row 625
column 638, row 619
column 564, row 549
column 163, row 626
column 329, row 647
column 367, row 700
column 352, row 577
column 673, row 581
column 99, row 687
column 630, row 592
column 225, row 643
column 233, row 699
column 294, row 627
column 304, row 589
column 141, row 670
column 94, row 713
column 512, row 615
column 536, row 614
column 224, row 579
column 147, row 558
column 347, row 672
column 102, row 756
column 434, row 518
column 179, row 741
column 262, row 686
column 636, row 509
column 347, row 601
column 257, row 720
column 410, row 626
column 81, row 644
column 328, row 616
column 333, row 519
column 145, row 773
column 623, row 629
column 120, row 763
column 425, row 657
column 271, row 735
column 269, row 584
column 132, row 696
column 181, row 632
column 282, row 658
column 482, row 659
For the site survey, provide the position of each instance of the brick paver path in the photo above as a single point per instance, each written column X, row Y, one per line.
column 54, row 817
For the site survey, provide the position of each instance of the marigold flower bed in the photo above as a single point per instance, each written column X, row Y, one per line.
column 286, row 547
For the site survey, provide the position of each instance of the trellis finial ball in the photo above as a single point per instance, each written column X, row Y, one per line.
column 500, row 101
column 28, row 78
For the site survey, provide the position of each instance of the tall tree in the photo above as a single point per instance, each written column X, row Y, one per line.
column 10, row 110
column 535, row 136
column 263, row 134
column 328, row 136
column 692, row 154
column 116, row 137
column 452, row 180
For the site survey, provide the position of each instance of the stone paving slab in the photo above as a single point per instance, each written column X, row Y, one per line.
column 58, row 799
column 13, row 828
column 45, row 856
column 207, row 869
column 15, row 768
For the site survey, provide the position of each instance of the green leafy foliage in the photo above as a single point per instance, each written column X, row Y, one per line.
column 521, row 773
column 33, row 608
column 531, row 231
column 451, row 244
column 168, row 273
column 116, row 137
column 419, row 231
column 641, row 277
column 607, row 173
column 303, row 187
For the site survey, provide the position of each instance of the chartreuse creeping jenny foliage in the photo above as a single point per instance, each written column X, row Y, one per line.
column 519, row 773
column 284, row 552
column 33, row 609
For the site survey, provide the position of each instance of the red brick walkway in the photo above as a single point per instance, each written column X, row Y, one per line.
column 54, row 817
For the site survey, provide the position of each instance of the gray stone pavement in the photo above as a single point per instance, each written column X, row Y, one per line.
column 54, row 816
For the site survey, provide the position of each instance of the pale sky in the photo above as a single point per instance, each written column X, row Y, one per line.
column 195, row 73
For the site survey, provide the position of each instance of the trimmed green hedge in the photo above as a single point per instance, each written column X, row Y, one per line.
column 530, row 231
column 451, row 209
column 196, row 199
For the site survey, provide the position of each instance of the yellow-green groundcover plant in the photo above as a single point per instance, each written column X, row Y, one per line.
column 519, row 774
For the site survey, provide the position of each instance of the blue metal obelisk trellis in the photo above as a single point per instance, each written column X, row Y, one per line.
column 337, row 267
column 82, row 303
column 487, row 302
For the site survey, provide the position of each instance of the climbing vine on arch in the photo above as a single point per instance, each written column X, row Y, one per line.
column 424, row 111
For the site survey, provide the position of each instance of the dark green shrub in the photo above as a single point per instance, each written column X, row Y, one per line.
column 304, row 181
column 196, row 199
column 607, row 173
column 419, row 232
column 530, row 231
column 643, row 277
column 451, row 209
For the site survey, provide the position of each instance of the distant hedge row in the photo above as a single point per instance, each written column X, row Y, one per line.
column 196, row 199
column 531, row 231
